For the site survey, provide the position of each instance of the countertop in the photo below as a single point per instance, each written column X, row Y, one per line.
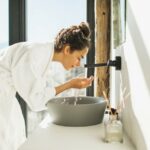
column 49, row 136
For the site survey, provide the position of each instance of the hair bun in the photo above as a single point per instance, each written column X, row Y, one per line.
column 84, row 27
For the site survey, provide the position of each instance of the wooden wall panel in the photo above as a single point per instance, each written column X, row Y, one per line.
column 102, row 45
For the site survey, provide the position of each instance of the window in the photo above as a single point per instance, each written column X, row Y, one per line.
column 4, row 23
column 44, row 20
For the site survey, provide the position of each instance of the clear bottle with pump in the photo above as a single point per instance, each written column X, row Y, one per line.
column 113, row 129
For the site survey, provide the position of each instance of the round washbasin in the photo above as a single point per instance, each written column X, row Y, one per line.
column 76, row 111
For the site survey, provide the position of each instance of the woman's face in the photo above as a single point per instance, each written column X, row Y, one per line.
column 73, row 59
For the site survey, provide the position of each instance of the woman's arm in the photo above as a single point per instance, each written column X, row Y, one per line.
column 78, row 83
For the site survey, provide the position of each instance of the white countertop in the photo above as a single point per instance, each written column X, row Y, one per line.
column 49, row 136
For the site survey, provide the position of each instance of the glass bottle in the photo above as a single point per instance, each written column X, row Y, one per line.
column 113, row 130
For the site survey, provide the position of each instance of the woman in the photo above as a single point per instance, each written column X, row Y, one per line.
column 24, row 68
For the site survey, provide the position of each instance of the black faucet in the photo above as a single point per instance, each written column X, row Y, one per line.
column 113, row 63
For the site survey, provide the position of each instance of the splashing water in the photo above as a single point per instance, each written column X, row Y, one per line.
column 77, row 91
column 64, row 100
column 75, row 100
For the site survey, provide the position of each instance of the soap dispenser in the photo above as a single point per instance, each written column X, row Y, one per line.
column 113, row 128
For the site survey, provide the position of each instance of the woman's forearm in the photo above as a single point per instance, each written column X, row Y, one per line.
column 78, row 83
column 62, row 87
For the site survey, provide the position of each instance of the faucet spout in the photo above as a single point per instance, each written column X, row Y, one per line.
column 95, row 65
column 111, row 63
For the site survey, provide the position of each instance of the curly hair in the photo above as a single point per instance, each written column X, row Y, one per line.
column 76, row 36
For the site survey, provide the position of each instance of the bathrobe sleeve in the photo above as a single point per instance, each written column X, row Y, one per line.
column 29, row 71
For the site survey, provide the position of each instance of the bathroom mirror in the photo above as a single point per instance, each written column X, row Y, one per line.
column 118, row 22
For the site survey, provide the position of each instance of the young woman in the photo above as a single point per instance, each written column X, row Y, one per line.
column 24, row 68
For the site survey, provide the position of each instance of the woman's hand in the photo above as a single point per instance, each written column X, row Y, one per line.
column 78, row 83
column 81, row 82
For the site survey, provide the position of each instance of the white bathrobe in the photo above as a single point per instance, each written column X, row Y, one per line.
column 24, row 68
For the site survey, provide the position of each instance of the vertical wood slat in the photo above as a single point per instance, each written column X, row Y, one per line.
column 103, row 17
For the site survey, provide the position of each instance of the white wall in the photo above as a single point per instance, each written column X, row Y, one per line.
column 135, row 74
